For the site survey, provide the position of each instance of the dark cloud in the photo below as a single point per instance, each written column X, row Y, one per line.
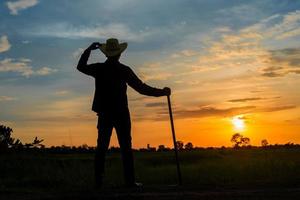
column 251, row 99
column 277, row 108
column 245, row 99
column 243, row 118
column 213, row 112
column 255, row 91
column 272, row 68
column 273, row 74
column 289, row 55
column 156, row 104
column 138, row 98
column 296, row 71
column 206, row 112
column 283, row 62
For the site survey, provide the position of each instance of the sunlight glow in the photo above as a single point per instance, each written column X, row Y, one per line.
column 238, row 123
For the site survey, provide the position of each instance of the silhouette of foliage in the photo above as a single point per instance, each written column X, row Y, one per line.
column 188, row 146
column 264, row 143
column 7, row 141
column 35, row 144
column 5, row 137
column 149, row 148
column 161, row 147
column 179, row 145
column 239, row 140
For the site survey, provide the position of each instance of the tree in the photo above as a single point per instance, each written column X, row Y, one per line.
column 35, row 144
column 239, row 140
column 149, row 148
column 6, row 141
column 189, row 146
column 179, row 145
column 161, row 147
column 245, row 141
column 264, row 143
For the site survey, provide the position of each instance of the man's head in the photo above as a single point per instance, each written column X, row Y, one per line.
column 112, row 48
column 114, row 58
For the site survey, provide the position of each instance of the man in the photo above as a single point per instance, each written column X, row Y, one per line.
column 110, row 103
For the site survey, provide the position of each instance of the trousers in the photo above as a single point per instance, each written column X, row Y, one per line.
column 121, row 122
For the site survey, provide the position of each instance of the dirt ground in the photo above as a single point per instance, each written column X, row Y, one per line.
column 156, row 193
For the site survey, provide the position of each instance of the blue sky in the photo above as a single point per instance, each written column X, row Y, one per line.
column 192, row 46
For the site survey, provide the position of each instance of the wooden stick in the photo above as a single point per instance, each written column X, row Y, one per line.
column 174, row 141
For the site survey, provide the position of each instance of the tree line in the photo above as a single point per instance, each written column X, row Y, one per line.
column 8, row 143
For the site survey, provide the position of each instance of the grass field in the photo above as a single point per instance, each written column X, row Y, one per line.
column 202, row 170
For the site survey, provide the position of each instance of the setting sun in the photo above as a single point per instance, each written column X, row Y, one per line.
column 238, row 123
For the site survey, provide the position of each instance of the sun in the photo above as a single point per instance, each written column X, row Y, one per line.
column 238, row 123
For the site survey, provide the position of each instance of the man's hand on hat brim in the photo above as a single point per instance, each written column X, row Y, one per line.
column 94, row 46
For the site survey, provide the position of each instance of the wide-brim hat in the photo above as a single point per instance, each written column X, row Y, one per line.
column 112, row 47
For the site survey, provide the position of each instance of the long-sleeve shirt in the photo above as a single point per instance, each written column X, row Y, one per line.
column 111, row 79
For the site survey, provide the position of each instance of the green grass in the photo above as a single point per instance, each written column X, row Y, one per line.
column 214, row 168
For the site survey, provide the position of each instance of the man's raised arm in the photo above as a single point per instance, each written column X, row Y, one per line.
column 82, row 65
column 134, row 82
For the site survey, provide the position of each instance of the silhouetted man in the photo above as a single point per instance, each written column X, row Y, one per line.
column 110, row 103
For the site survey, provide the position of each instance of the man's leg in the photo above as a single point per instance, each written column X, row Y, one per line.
column 104, row 133
column 123, row 128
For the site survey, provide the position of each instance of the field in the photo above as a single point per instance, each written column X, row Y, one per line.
column 208, row 173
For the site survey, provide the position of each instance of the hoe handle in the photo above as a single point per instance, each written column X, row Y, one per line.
column 174, row 141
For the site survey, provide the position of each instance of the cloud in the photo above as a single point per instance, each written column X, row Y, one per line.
column 44, row 71
column 278, row 26
column 156, row 76
column 245, row 99
column 276, row 108
column 100, row 31
column 16, row 6
column 231, row 50
column 77, row 52
column 26, row 42
column 288, row 27
column 6, row 98
column 244, row 49
column 57, row 111
column 156, row 104
column 282, row 62
column 206, row 112
column 154, row 71
column 23, row 67
column 184, row 53
column 251, row 98
column 61, row 92
column 4, row 44
column 57, row 118
column 223, row 29
column 211, row 111
column 245, row 12
column 140, row 98
column 118, row 5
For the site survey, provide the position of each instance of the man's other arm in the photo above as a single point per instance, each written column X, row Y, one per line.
column 134, row 82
